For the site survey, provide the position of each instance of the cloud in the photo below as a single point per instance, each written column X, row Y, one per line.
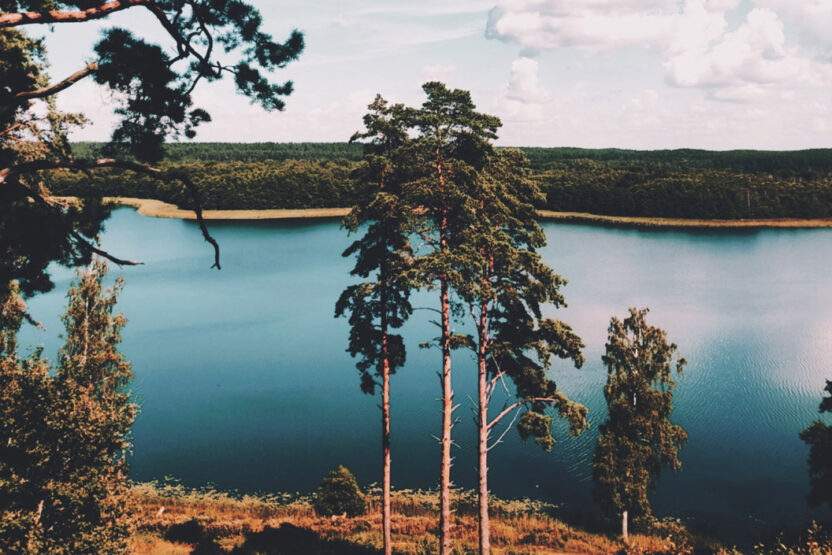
column 524, row 83
column 811, row 20
column 693, row 38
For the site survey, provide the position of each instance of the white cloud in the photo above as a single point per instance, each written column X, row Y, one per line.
column 692, row 38
column 812, row 20
column 524, row 83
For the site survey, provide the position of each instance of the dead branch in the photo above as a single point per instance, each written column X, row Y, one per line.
column 513, row 406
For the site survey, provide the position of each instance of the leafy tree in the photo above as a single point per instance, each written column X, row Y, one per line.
column 384, row 252
column 339, row 494
column 64, row 435
column 505, row 284
column 638, row 439
column 213, row 38
column 819, row 438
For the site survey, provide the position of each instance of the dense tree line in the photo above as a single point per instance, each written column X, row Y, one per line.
column 310, row 175
column 243, row 152
column 227, row 185
column 658, row 191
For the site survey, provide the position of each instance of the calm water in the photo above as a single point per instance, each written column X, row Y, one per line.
column 244, row 381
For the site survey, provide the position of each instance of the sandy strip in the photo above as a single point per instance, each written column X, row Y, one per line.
column 159, row 209
column 582, row 217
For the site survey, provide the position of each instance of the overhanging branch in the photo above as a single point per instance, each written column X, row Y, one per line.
column 10, row 173
column 68, row 16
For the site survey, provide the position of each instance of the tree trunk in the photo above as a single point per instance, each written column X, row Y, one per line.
column 385, row 446
column 624, row 536
column 484, row 533
column 447, row 410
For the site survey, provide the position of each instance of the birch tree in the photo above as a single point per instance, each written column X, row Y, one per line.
column 638, row 439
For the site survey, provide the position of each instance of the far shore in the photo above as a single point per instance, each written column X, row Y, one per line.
column 160, row 209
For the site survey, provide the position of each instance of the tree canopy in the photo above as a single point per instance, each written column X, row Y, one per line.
column 153, row 85
column 638, row 439
column 819, row 438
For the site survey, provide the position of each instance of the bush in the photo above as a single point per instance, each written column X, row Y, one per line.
column 339, row 494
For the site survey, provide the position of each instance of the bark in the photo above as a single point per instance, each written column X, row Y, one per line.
column 67, row 16
column 624, row 536
column 484, row 532
column 385, row 430
column 447, row 411
column 447, row 391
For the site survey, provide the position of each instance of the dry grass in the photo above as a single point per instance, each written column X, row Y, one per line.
column 228, row 522
column 583, row 217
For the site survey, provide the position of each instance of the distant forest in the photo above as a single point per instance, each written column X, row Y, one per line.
column 662, row 183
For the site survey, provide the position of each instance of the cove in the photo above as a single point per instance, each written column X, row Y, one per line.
column 244, row 381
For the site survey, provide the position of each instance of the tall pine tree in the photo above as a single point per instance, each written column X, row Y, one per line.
column 638, row 440
column 505, row 285
column 384, row 255
column 451, row 147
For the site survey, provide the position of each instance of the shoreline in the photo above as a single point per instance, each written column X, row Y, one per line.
column 159, row 209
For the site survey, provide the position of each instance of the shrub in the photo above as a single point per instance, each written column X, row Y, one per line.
column 339, row 494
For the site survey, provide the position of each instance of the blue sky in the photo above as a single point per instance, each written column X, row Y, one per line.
column 716, row 74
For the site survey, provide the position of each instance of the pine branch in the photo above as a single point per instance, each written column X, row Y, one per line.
column 10, row 173
column 66, row 16
column 58, row 87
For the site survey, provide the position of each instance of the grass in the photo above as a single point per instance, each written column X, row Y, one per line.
column 583, row 217
column 173, row 519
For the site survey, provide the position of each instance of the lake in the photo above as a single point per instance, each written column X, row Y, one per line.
column 244, row 381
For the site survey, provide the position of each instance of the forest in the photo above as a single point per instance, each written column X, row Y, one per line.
column 685, row 183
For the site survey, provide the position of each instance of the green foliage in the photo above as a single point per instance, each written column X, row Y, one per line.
column 505, row 284
column 64, row 433
column 638, row 439
column 339, row 494
column 384, row 252
column 819, row 438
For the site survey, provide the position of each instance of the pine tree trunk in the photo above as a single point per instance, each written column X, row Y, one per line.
column 447, row 410
column 385, row 446
column 385, row 414
column 624, row 536
column 484, row 532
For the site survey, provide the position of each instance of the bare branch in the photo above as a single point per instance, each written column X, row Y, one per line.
column 8, row 174
column 58, row 87
column 513, row 406
column 503, row 435
column 66, row 16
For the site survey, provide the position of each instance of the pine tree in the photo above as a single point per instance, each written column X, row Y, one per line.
column 385, row 254
column 208, row 40
column 451, row 147
column 505, row 284
column 65, row 436
column 819, row 438
column 638, row 440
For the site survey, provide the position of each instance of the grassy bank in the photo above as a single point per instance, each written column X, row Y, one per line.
column 686, row 223
column 172, row 519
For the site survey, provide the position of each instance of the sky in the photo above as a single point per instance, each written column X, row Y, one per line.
column 642, row 74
